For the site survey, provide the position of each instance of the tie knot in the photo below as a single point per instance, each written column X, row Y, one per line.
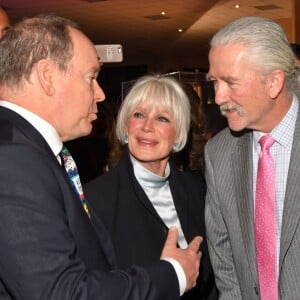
column 65, row 151
column 266, row 142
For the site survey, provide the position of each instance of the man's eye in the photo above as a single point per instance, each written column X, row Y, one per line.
column 214, row 83
column 231, row 84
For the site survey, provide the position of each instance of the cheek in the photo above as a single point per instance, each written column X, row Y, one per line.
column 168, row 134
column 132, row 125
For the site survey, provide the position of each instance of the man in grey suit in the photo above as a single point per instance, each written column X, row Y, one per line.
column 256, row 78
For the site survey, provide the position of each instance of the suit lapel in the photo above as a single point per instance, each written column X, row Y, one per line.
column 291, row 211
column 126, row 171
column 242, row 168
column 181, row 201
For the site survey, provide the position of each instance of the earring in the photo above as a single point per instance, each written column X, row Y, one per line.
column 125, row 140
column 176, row 147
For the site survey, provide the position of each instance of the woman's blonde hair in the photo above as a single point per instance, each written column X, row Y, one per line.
column 157, row 90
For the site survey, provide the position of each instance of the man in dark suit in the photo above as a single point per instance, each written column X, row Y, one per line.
column 255, row 76
column 50, row 248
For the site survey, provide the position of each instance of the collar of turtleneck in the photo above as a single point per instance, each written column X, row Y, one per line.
column 148, row 178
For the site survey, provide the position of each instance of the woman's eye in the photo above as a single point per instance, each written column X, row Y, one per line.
column 138, row 115
column 163, row 119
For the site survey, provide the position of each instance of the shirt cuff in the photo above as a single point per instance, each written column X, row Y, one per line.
column 180, row 274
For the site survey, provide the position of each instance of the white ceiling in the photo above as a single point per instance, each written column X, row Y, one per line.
column 146, row 36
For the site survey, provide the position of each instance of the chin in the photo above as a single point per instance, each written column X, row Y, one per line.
column 236, row 127
column 238, row 124
column 87, row 131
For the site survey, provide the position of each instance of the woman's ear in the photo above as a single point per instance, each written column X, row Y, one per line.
column 44, row 69
column 276, row 83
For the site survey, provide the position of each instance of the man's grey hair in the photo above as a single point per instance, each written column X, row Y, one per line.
column 268, row 46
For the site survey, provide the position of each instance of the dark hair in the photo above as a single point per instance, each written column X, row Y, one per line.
column 192, row 155
column 33, row 39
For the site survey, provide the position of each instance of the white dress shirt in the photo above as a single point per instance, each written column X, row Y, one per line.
column 283, row 134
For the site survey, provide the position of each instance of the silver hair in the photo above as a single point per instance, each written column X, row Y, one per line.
column 267, row 45
column 157, row 90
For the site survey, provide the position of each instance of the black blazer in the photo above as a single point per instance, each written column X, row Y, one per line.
column 49, row 248
column 137, row 231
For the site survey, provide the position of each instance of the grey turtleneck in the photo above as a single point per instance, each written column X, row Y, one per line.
column 158, row 191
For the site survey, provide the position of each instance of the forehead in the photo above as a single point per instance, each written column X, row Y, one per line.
column 227, row 58
column 226, row 52
column 84, row 50
column 4, row 20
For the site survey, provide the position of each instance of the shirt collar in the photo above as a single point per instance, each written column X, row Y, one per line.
column 44, row 128
column 283, row 133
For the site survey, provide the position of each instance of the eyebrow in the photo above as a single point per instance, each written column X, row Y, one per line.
column 228, row 78
column 208, row 77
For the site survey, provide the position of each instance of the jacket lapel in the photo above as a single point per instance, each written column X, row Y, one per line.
column 126, row 170
column 181, row 201
column 291, row 211
column 243, row 177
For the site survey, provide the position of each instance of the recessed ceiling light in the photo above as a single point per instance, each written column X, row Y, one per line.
column 163, row 13
column 180, row 30
column 237, row 6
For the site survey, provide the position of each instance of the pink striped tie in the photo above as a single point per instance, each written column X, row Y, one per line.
column 265, row 222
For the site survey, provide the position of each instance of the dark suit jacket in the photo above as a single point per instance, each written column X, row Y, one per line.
column 137, row 231
column 49, row 248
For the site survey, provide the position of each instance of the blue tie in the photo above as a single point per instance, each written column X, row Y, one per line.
column 73, row 175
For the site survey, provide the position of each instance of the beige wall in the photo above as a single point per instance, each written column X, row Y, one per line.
column 292, row 25
column 297, row 20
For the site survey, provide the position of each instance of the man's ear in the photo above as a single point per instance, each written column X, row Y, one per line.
column 45, row 71
column 276, row 83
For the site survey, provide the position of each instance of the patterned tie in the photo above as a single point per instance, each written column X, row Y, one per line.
column 265, row 222
column 73, row 175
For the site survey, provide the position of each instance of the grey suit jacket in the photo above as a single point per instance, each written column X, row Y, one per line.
column 229, row 217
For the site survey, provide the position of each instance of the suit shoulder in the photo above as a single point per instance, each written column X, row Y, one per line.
column 224, row 140
column 104, row 180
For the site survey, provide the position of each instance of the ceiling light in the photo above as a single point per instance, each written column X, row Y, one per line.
column 163, row 13
column 180, row 30
column 237, row 6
